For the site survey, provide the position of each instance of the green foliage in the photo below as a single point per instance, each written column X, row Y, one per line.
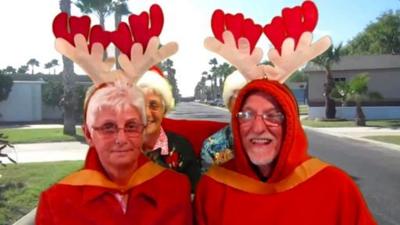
column 21, row 185
column 33, row 62
column 22, row 69
column 355, row 90
column 52, row 93
column 167, row 66
column 6, row 83
column 330, row 56
column 380, row 37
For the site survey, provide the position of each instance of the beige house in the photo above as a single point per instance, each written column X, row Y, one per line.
column 384, row 72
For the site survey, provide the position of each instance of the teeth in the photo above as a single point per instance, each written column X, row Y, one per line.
column 261, row 140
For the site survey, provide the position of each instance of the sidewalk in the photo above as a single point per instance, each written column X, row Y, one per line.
column 359, row 133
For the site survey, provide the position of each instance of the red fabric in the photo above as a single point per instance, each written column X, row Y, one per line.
column 155, row 201
column 294, row 143
column 195, row 131
column 329, row 197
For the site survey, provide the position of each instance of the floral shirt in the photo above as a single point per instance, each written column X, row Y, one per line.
column 161, row 154
column 217, row 148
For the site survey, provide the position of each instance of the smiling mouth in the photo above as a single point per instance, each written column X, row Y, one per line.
column 260, row 141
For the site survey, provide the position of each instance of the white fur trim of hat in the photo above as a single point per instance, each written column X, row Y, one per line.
column 152, row 79
column 234, row 81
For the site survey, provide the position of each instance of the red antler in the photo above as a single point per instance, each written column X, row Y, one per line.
column 237, row 25
column 66, row 27
column 140, row 28
column 293, row 22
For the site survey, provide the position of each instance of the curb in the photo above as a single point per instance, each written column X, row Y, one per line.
column 28, row 219
column 387, row 145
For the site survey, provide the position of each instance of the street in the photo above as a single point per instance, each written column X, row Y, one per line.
column 374, row 168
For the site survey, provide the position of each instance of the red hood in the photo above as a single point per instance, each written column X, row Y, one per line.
column 294, row 143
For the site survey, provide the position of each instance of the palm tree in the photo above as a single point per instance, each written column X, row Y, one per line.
column 69, row 101
column 48, row 66
column 213, row 62
column 54, row 62
column 33, row 62
column 102, row 8
column 167, row 65
column 326, row 60
column 356, row 90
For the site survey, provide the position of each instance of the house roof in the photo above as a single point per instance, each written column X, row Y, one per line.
column 357, row 62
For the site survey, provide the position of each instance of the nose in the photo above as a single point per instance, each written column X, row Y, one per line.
column 121, row 137
column 258, row 125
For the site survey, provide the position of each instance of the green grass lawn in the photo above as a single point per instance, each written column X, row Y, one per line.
column 347, row 123
column 395, row 139
column 21, row 185
column 16, row 136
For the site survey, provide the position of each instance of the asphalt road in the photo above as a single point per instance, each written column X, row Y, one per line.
column 375, row 169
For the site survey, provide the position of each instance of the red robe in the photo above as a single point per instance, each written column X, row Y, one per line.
column 155, row 196
column 300, row 190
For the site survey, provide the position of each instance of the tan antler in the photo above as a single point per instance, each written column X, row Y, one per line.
column 92, row 63
column 240, row 56
column 293, row 57
column 140, row 62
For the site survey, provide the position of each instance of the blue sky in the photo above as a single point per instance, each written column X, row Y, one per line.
column 26, row 27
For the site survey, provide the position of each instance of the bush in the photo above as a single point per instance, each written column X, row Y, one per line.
column 6, row 83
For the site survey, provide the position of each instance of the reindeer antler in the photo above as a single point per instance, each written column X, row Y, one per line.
column 140, row 62
column 92, row 63
column 145, row 51
column 235, row 40
column 135, row 59
column 291, row 58
column 291, row 36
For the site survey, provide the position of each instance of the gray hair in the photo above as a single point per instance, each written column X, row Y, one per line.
column 119, row 96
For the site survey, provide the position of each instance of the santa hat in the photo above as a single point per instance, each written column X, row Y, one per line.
column 155, row 79
column 235, row 81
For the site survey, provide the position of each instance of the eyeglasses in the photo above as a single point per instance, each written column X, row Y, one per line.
column 131, row 129
column 273, row 119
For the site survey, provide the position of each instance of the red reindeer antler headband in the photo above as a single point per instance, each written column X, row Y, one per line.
column 138, row 43
column 290, row 34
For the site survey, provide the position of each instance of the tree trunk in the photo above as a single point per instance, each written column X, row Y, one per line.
column 69, row 99
column 360, row 116
column 330, row 108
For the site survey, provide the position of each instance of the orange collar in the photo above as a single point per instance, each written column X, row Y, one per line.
column 242, row 182
column 88, row 177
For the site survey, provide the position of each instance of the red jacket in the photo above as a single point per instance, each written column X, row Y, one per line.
column 155, row 196
column 300, row 190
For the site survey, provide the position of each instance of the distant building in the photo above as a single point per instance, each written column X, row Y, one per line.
column 24, row 103
column 384, row 72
